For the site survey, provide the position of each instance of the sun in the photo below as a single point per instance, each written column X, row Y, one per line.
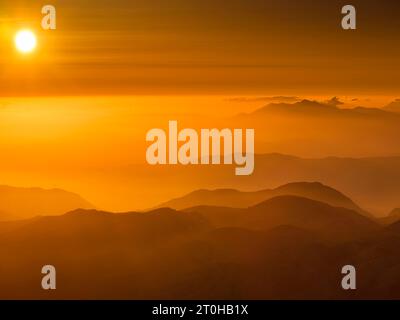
column 25, row 41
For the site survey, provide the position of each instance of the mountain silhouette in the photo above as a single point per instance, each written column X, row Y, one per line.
column 101, row 225
column 301, row 108
column 116, row 255
column 315, row 129
column 272, row 250
column 329, row 108
column 22, row 203
column 373, row 183
column 238, row 199
column 333, row 223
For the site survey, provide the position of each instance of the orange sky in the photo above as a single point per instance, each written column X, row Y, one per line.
column 202, row 47
column 115, row 69
column 100, row 131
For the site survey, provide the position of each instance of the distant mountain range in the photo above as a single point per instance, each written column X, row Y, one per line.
column 272, row 250
column 354, row 150
column 317, row 129
column 315, row 108
column 21, row 203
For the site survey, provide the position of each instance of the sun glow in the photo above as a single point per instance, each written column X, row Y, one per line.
column 25, row 41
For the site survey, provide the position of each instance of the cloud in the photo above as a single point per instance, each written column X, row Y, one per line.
column 266, row 99
column 334, row 102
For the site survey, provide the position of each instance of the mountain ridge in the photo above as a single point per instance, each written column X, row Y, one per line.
column 330, row 222
column 243, row 199
column 307, row 107
column 27, row 202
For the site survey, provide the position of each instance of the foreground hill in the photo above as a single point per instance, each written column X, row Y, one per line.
column 22, row 203
column 273, row 250
column 81, row 225
column 312, row 108
column 237, row 199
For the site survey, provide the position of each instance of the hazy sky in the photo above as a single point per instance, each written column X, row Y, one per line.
column 206, row 47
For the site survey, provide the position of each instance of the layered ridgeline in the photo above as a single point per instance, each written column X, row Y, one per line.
column 316, row 129
column 285, row 246
column 355, row 150
column 21, row 203
column 373, row 183
column 274, row 249
column 310, row 108
column 238, row 199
